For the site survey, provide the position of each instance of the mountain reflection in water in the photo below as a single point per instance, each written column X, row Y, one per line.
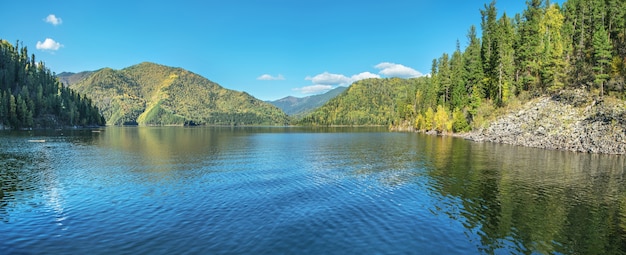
column 301, row 190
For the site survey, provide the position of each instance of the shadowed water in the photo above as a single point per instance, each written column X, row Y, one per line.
column 301, row 191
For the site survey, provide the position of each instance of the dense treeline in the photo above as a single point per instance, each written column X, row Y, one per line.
column 368, row 102
column 31, row 96
column 544, row 50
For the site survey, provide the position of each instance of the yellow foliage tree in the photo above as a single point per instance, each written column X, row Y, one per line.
column 419, row 120
column 428, row 119
column 442, row 120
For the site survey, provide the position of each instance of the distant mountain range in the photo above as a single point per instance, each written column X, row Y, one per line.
column 299, row 106
column 68, row 78
column 153, row 94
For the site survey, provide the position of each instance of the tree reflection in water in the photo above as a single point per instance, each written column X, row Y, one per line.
column 532, row 200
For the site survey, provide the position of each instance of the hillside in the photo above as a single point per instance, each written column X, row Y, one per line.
column 367, row 102
column 546, row 49
column 152, row 94
column 300, row 106
column 31, row 96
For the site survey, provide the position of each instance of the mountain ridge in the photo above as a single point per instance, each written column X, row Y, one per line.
column 155, row 94
column 368, row 102
column 300, row 106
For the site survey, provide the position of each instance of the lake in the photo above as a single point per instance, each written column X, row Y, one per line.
column 209, row 190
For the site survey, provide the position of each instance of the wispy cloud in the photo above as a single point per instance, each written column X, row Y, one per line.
column 326, row 81
column 397, row 70
column 267, row 77
column 327, row 78
column 49, row 45
column 53, row 19
column 314, row 89
column 363, row 76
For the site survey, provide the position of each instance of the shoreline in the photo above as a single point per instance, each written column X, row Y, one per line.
column 570, row 121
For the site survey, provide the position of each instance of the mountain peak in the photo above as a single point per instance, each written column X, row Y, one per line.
column 155, row 94
column 298, row 106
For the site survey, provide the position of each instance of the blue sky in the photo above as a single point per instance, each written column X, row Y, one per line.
column 270, row 49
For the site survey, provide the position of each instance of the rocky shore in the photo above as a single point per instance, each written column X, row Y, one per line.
column 571, row 121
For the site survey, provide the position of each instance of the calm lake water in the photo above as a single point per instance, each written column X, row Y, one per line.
column 301, row 191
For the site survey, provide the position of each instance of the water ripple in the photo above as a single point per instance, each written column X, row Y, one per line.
column 206, row 191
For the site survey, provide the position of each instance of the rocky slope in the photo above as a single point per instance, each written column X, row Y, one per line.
column 571, row 121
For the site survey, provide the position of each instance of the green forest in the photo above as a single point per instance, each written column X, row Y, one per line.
column 32, row 97
column 544, row 50
column 367, row 102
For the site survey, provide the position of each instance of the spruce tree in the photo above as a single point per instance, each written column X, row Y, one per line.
column 473, row 70
column 458, row 95
column 488, row 52
column 529, row 52
column 552, row 64
column 602, row 55
column 443, row 77
column 503, row 61
column 28, row 90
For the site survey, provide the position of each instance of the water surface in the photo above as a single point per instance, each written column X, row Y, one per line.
column 301, row 191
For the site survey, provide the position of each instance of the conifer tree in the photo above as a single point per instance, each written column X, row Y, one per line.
column 503, row 61
column 473, row 70
column 602, row 56
column 488, row 52
column 443, row 78
column 529, row 51
column 552, row 64
column 29, row 90
column 459, row 94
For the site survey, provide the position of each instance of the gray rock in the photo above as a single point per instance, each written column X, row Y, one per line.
column 570, row 121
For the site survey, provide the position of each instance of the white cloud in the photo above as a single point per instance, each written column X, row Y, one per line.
column 314, row 89
column 397, row 70
column 327, row 78
column 267, row 77
column 54, row 20
column 48, row 44
column 363, row 76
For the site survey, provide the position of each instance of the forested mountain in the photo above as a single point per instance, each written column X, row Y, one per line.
column 300, row 106
column 152, row 94
column 31, row 96
column 367, row 102
column 544, row 50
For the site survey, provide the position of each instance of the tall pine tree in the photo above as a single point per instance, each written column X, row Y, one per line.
column 602, row 55
column 552, row 62
column 503, row 62
column 529, row 50
column 458, row 98
column 443, row 77
column 473, row 70
column 488, row 52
